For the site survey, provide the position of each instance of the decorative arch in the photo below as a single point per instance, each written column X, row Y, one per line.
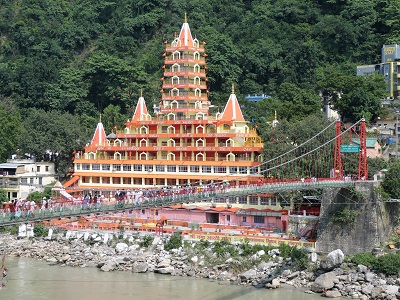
column 176, row 68
column 198, row 104
column 117, row 156
column 145, row 142
column 108, row 143
column 174, row 92
column 144, row 130
column 91, row 155
column 200, row 116
column 175, row 42
column 170, row 156
column 176, row 55
column 197, row 80
column 200, row 141
column 230, row 143
column 174, row 104
column 218, row 115
column 171, row 129
column 200, row 129
column 196, row 68
column 171, row 116
column 171, row 142
column 197, row 92
column 196, row 42
column 230, row 157
column 201, row 156
column 196, row 55
column 117, row 142
column 175, row 80
column 143, row 155
column 145, row 117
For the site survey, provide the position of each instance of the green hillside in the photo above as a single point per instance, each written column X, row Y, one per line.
column 62, row 63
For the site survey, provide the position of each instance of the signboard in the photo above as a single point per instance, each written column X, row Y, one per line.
column 350, row 148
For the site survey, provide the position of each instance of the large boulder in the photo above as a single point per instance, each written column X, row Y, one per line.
column 333, row 259
column 324, row 282
column 139, row 267
column 121, row 248
column 248, row 275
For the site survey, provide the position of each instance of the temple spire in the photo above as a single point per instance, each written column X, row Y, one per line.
column 185, row 17
column 232, row 111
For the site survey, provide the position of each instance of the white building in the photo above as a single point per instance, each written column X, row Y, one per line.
column 20, row 177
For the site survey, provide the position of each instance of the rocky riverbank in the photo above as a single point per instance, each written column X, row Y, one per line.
column 139, row 253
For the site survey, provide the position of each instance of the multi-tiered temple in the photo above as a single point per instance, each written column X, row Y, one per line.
column 182, row 142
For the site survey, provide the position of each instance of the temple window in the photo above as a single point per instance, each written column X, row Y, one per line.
column 96, row 167
column 176, row 55
column 137, row 168
column 127, row 168
column 105, row 167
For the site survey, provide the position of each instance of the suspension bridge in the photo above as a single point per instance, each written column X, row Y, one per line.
column 322, row 161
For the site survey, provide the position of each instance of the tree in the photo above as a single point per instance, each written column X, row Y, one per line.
column 10, row 119
column 3, row 196
column 391, row 182
column 53, row 136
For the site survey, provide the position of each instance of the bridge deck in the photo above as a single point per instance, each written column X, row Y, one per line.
column 76, row 210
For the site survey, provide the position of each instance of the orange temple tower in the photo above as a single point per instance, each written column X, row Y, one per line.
column 181, row 142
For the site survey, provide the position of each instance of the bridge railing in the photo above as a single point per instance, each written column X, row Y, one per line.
column 204, row 194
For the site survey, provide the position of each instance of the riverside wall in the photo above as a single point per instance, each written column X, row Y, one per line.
column 374, row 222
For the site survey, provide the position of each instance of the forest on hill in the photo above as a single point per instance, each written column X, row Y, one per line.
column 62, row 63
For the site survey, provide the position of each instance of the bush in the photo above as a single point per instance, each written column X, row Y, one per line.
column 345, row 216
column 388, row 264
column 40, row 230
column 202, row 244
column 362, row 258
column 300, row 258
column 285, row 250
column 223, row 248
column 174, row 242
column 146, row 241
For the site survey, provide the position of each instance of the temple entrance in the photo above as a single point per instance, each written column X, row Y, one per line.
column 212, row 218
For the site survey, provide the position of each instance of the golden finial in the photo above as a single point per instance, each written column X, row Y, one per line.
column 100, row 119
column 276, row 116
column 141, row 92
column 185, row 17
column 233, row 88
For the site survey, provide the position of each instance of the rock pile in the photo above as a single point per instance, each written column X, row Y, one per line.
column 331, row 277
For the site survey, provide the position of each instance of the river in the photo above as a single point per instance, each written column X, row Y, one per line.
column 36, row 280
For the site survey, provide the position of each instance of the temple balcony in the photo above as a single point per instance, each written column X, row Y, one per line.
column 169, row 72
column 170, row 60
column 170, row 48
column 188, row 85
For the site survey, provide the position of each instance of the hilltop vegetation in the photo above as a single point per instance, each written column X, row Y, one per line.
column 62, row 63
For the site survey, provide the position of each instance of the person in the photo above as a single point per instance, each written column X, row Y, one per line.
column 44, row 202
column 12, row 210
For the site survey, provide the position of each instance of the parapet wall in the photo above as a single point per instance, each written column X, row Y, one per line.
column 371, row 227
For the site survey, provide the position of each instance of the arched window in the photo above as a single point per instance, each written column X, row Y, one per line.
column 196, row 68
column 171, row 116
column 197, row 92
column 117, row 156
column 200, row 116
column 175, row 80
column 118, row 142
column 200, row 143
column 170, row 156
column 143, row 156
column 174, row 104
column 200, row 129
column 196, row 43
column 92, row 155
column 144, row 130
column 230, row 143
column 197, row 80
column 171, row 142
column 144, row 143
column 200, row 157
column 176, row 55
column 230, row 157
column 196, row 55
column 198, row 104
column 176, row 68
column 171, row 129
column 174, row 92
